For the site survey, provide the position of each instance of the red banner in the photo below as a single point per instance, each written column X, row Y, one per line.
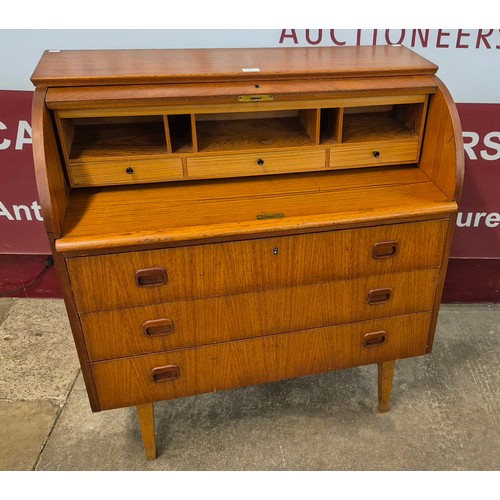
column 21, row 224
column 478, row 222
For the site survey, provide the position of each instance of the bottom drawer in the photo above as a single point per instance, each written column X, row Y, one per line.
column 185, row 372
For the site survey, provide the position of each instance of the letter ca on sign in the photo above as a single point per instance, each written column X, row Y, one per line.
column 23, row 136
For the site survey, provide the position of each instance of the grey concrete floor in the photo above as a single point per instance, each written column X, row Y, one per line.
column 444, row 415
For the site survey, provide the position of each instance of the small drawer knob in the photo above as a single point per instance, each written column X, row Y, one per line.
column 260, row 162
column 129, row 170
column 376, row 154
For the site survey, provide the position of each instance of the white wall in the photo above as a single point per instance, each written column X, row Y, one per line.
column 469, row 60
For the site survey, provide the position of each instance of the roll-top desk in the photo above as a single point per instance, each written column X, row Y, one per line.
column 223, row 218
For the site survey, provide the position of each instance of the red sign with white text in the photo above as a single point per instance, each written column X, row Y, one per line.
column 478, row 223
column 21, row 224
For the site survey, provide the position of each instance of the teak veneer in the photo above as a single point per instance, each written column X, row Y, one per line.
column 222, row 218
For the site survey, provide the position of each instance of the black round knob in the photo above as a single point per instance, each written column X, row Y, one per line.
column 376, row 154
column 129, row 170
column 260, row 161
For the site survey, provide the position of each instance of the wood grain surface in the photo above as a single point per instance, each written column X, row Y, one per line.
column 49, row 173
column 98, row 67
column 121, row 332
column 257, row 163
column 124, row 171
column 260, row 133
column 108, row 281
column 385, row 377
column 375, row 126
column 153, row 96
column 128, row 381
column 374, row 153
column 443, row 154
column 112, row 218
column 143, row 108
column 111, row 140
column 146, row 417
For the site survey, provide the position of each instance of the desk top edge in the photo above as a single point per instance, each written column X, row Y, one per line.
column 135, row 66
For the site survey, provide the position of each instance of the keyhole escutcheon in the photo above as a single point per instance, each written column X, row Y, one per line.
column 275, row 250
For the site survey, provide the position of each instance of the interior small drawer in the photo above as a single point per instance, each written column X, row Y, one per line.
column 161, row 327
column 155, row 377
column 374, row 154
column 258, row 163
column 126, row 171
column 166, row 275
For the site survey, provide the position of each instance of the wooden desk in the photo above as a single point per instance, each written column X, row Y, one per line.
column 223, row 218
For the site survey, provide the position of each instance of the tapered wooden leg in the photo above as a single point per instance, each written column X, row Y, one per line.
column 146, row 416
column 385, row 375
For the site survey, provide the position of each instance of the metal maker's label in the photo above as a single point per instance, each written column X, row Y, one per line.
column 255, row 98
column 270, row 216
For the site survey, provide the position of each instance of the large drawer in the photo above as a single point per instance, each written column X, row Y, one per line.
column 151, row 277
column 155, row 377
column 155, row 328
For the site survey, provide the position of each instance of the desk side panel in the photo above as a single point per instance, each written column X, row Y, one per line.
column 442, row 157
column 51, row 183
column 54, row 195
column 443, row 162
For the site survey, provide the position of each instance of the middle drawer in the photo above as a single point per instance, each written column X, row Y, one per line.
column 139, row 330
column 259, row 163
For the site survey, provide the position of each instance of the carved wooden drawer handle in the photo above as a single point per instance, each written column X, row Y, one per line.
column 374, row 339
column 154, row 276
column 165, row 373
column 158, row 327
column 379, row 296
column 385, row 249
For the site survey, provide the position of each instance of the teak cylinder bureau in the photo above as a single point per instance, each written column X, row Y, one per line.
column 223, row 218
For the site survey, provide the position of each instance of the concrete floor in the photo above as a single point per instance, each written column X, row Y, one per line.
column 444, row 416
